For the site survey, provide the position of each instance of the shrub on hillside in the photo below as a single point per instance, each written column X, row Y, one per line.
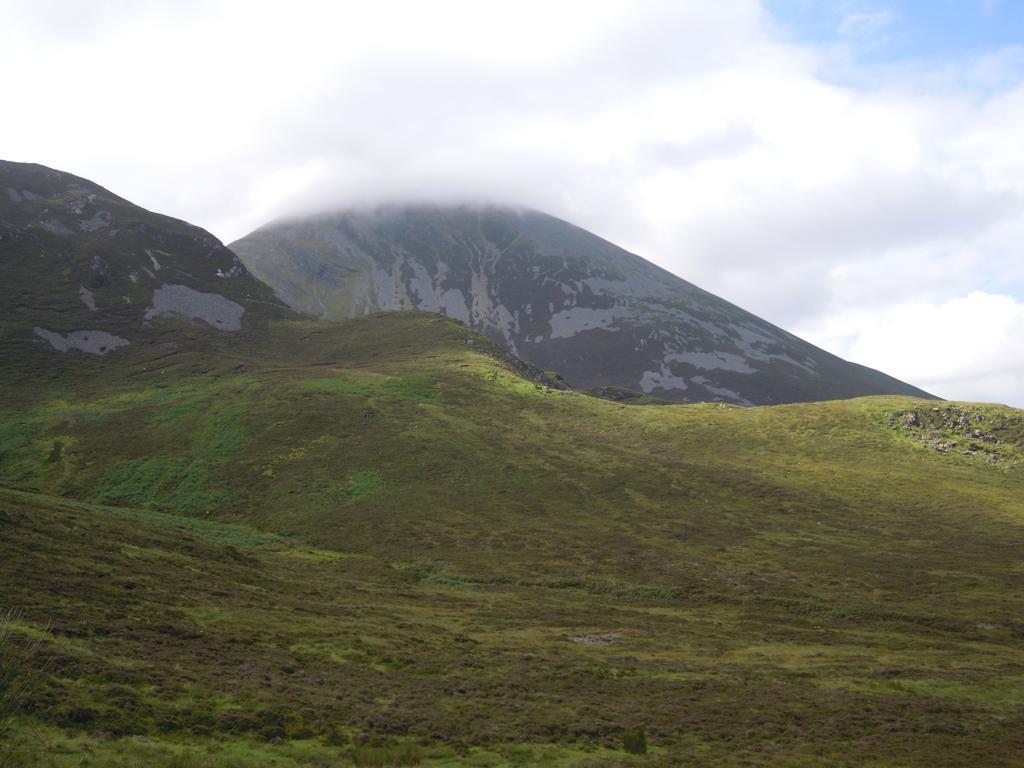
column 406, row 754
column 635, row 742
column 15, row 668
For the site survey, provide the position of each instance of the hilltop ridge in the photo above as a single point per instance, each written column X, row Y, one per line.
column 88, row 276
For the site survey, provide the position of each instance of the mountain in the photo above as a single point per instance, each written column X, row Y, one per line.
column 553, row 294
column 88, row 276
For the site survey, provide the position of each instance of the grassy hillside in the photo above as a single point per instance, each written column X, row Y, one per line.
column 377, row 543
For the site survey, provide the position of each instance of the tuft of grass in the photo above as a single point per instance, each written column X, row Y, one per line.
column 223, row 436
column 364, row 483
column 17, row 674
column 405, row 754
column 359, row 484
column 634, row 742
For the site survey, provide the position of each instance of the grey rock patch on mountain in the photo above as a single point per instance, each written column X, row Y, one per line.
column 212, row 308
column 561, row 298
column 91, row 342
column 87, row 298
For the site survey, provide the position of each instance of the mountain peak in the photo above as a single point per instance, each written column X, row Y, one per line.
column 556, row 295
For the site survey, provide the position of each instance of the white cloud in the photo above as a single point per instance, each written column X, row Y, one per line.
column 689, row 132
column 865, row 27
column 989, row 7
column 969, row 347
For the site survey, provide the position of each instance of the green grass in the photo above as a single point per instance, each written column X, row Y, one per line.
column 364, row 483
column 999, row 693
column 410, row 548
column 46, row 747
column 223, row 436
column 414, row 388
column 408, row 754
column 172, row 484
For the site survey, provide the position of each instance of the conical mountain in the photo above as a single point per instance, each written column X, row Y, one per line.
column 556, row 295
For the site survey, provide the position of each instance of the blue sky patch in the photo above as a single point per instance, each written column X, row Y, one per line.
column 897, row 31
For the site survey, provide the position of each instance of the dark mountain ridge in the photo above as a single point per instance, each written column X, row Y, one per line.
column 87, row 274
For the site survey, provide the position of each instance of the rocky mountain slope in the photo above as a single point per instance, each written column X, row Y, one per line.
column 554, row 294
column 88, row 275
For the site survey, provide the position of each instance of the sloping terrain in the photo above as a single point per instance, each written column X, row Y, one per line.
column 233, row 537
column 89, row 277
column 553, row 294
column 374, row 542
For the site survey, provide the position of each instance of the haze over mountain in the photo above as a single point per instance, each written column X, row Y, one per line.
column 557, row 296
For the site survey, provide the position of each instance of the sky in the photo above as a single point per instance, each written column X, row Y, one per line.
column 850, row 170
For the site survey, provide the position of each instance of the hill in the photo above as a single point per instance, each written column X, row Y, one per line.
column 374, row 542
column 553, row 294
column 88, row 277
